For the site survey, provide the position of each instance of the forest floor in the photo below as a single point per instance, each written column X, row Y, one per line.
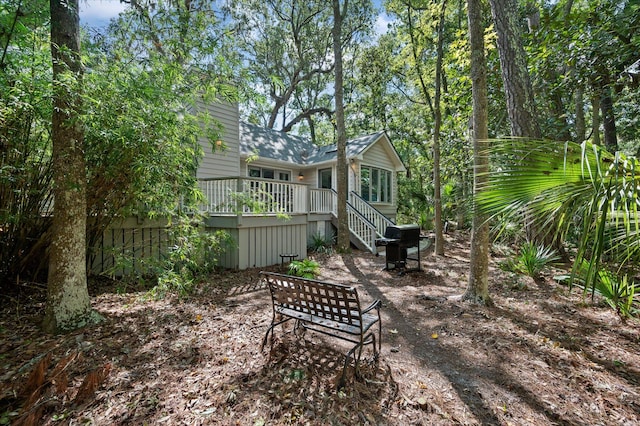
column 542, row 355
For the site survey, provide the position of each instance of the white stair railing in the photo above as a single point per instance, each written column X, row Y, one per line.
column 373, row 215
column 361, row 228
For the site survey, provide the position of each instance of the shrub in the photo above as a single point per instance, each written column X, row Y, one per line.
column 321, row 243
column 193, row 256
column 617, row 292
column 305, row 268
column 532, row 259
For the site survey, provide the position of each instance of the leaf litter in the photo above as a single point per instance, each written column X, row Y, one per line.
column 541, row 355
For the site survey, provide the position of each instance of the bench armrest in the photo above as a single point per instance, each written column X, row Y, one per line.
column 375, row 305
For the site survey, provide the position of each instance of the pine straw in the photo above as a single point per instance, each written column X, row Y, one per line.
column 541, row 355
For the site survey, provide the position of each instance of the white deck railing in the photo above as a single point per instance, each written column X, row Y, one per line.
column 253, row 196
column 247, row 196
column 322, row 201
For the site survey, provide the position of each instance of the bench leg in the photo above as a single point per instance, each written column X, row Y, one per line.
column 274, row 324
column 266, row 336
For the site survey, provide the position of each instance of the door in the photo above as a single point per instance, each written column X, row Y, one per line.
column 324, row 179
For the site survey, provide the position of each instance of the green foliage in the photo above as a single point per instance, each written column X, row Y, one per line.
column 288, row 48
column 141, row 131
column 25, row 143
column 567, row 186
column 532, row 259
column 616, row 290
column 191, row 259
column 619, row 293
column 321, row 243
column 305, row 268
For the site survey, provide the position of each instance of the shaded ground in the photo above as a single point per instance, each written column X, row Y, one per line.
column 540, row 356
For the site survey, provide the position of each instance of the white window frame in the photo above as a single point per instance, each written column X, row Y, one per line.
column 276, row 173
column 378, row 191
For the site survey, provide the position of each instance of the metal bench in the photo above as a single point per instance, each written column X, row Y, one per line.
column 327, row 308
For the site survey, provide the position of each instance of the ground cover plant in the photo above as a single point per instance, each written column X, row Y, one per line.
column 540, row 356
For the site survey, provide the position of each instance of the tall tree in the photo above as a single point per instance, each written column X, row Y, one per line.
column 437, row 124
column 477, row 288
column 68, row 303
column 341, row 132
column 515, row 75
column 287, row 45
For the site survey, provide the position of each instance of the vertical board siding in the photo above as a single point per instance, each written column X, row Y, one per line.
column 262, row 246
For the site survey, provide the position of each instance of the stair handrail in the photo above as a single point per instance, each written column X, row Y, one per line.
column 366, row 233
column 375, row 216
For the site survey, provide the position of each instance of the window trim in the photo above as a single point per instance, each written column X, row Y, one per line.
column 276, row 173
column 383, row 195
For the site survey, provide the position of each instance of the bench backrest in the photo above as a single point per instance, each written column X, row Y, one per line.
column 320, row 299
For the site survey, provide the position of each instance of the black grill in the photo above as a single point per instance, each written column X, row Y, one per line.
column 397, row 239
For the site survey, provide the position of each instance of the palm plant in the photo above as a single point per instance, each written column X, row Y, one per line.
column 533, row 258
column 557, row 186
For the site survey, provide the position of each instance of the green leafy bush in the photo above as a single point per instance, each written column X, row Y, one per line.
column 305, row 268
column 617, row 292
column 191, row 259
column 531, row 260
column 321, row 243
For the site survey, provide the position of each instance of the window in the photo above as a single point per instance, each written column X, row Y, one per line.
column 324, row 178
column 265, row 173
column 375, row 184
column 283, row 175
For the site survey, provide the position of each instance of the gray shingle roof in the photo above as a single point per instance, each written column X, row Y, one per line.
column 280, row 146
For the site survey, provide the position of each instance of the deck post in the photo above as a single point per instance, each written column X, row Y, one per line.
column 239, row 200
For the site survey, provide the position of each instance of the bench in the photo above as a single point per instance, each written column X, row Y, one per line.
column 323, row 307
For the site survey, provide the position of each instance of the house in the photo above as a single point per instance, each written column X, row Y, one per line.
column 272, row 191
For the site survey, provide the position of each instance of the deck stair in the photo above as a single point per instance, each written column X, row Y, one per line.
column 366, row 223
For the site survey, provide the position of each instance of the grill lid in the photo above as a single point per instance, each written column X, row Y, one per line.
column 403, row 232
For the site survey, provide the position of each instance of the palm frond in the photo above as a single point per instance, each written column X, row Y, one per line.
column 564, row 185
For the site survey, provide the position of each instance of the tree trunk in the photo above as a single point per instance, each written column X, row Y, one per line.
column 595, row 119
column 437, row 191
column 515, row 76
column 341, row 133
column 608, row 116
column 477, row 286
column 581, row 127
column 68, row 303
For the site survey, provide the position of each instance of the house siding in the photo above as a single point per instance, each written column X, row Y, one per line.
column 262, row 245
column 377, row 156
column 226, row 162
column 259, row 240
